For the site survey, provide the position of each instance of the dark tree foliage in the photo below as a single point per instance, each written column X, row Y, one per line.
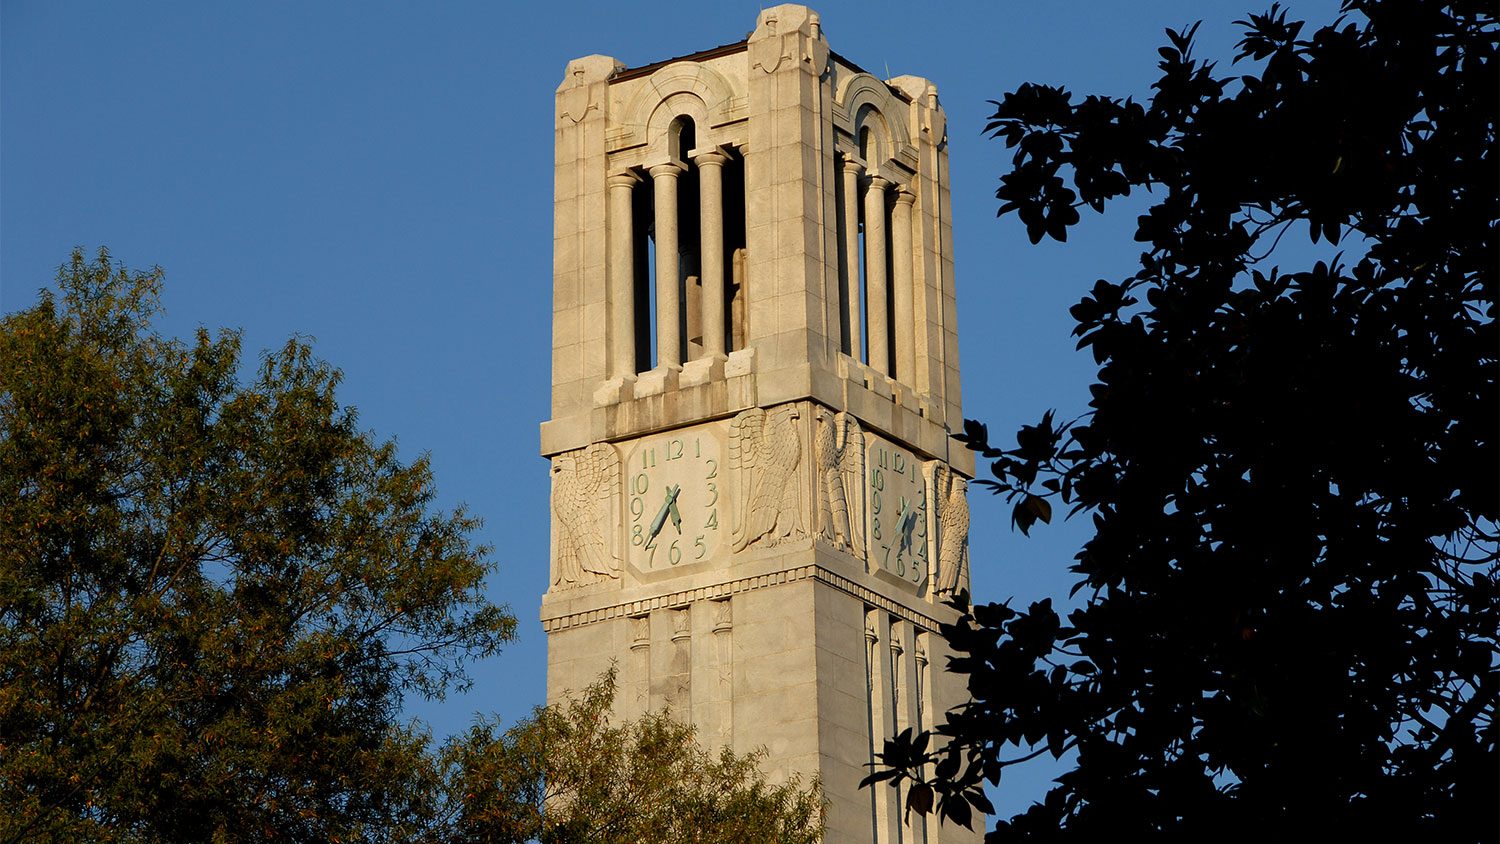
column 1288, row 612
column 212, row 593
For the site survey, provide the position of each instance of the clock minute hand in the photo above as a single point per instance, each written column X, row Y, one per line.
column 661, row 515
column 905, row 525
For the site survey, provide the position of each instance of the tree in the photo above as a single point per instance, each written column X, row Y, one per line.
column 568, row 775
column 1288, row 612
column 212, row 594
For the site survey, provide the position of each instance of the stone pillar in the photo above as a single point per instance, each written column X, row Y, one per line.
column 668, row 274
column 904, row 289
column 580, row 263
column 622, row 362
column 679, row 692
column 711, row 248
column 900, row 695
column 852, row 171
column 882, row 724
column 875, row 281
column 787, row 171
column 638, row 679
column 724, row 663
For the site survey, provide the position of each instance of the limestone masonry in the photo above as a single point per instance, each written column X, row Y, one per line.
column 756, row 510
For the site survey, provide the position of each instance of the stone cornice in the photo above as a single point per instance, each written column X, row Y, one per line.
column 719, row 591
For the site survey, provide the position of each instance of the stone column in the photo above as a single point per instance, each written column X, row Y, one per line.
column 901, row 279
column 711, row 248
column 724, row 662
column 639, row 678
column 679, row 693
column 622, row 362
column 668, row 274
column 875, row 282
column 853, row 170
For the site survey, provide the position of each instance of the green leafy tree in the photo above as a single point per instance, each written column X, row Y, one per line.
column 1288, row 612
column 213, row 594
column 568, row 775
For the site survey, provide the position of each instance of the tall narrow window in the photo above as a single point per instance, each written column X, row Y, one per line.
column 645, row 283
column 689, row 241
column 866, row 151
column 850, row 322
column 735, row 255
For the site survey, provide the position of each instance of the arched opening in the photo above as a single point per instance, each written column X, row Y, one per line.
column 735, row 255
column 643, row 271
column 867, row 151
column 682, row 139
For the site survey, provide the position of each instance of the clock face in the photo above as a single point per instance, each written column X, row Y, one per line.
column 674, row 500
column 897, row 495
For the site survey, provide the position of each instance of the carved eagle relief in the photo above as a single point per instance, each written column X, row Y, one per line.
column 585, row 484
column 839, row 448
column 765, row 450
column 951, row 490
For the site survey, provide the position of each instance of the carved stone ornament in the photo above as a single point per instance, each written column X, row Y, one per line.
column 953, row 531
column 788, row 35
column 574, row 103
column 768, row 51
column 585, row 484
column 576, row 96
column 765, row 450
column 839, row 447
column 723, row 619
column 681, row 624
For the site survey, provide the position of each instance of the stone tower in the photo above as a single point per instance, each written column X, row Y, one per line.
column 756, row 510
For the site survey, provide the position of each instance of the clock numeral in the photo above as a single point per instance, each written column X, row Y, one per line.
column 874, row 502
column 674, row 449
column 713, row 520
column 697, row 448
column 637, row 507
column 713, row 489
column 648, row 458
column 637, row 536
column 713, row 472
column 640, row 483
column 875, row 524
column 877, row 479
column 674, row 554
column 702, row 549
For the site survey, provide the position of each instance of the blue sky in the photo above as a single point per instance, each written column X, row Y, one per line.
column 377, row 177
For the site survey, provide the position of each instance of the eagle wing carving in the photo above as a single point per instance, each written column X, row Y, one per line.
column 840, row 449
column 953, row 531
column 585, row 484
column 765, row 450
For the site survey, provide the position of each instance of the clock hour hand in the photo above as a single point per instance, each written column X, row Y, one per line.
column 667, row 507
column 672, row 504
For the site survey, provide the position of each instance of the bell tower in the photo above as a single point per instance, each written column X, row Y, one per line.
column 756, row 511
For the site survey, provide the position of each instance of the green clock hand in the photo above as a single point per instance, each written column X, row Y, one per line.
column 905, row 525
column 672, row 504
column 667, row 507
